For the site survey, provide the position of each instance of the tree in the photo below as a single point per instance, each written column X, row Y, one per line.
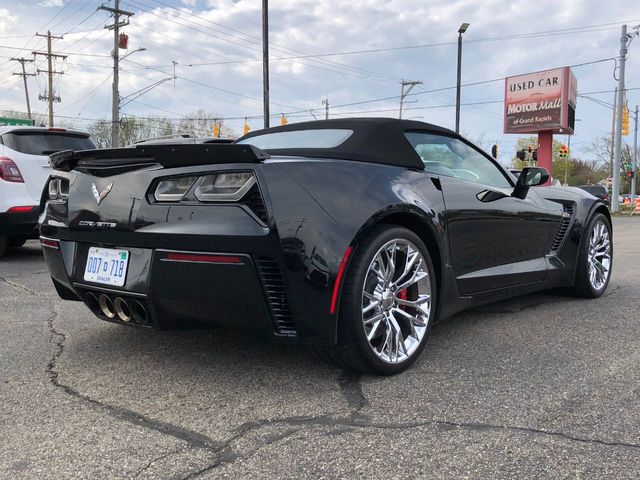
column 133, row 129
column 576, row 171
column 602, row 150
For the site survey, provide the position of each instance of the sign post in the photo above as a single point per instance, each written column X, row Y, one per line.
column 543, row 103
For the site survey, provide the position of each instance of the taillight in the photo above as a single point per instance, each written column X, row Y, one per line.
column 9, row 171
column 215, row 187
column 22, row 209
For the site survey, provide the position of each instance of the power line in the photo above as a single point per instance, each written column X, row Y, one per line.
column 346, row 69
column 254, row 39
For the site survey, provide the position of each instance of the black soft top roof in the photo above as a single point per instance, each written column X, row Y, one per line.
column 377, row 140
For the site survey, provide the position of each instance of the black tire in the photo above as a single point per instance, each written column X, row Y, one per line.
column 582, row 286
column 354, row 351
column 16, row 242
column 3, row 245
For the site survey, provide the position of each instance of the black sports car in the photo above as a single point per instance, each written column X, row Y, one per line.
column 351, row 235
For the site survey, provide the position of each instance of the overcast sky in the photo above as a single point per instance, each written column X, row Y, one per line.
column 225, row 34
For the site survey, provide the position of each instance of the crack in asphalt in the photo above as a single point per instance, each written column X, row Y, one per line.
column 350, row 387
column 159, row 458
column 17, row 286
column 191, row 437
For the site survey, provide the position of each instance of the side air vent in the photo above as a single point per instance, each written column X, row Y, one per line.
column 274, row 290
column 254, row 201
column 565, row 223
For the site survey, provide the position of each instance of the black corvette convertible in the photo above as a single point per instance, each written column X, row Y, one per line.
column 353, row 236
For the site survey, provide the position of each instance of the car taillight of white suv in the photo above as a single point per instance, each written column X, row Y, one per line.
column 9, row 171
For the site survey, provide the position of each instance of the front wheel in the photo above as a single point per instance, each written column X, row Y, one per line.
column 595, row 259
column 387, row 303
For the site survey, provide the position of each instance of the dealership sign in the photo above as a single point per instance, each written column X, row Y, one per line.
column 541, row 101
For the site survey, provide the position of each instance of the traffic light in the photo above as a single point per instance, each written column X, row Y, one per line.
column 625, row 120
column 246, row 128
column 283, row 120
column 216, row 129
column 494, row 151
column 564, row 151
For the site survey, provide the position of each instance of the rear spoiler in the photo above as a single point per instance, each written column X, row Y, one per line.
column 177, row 155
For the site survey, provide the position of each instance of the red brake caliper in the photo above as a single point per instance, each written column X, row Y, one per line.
column 402, row 295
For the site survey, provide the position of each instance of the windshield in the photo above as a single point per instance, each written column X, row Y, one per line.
column 45, row 143
column 315, row 138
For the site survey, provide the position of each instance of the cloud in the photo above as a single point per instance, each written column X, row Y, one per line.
column 221, row 33
column 51, row 3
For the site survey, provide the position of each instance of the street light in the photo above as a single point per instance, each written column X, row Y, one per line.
column 461, row 30
column 141, row 49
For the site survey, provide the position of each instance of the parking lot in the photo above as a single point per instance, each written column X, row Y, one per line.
column 539, row 386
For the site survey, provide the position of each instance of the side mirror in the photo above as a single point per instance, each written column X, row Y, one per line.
column 530, row 177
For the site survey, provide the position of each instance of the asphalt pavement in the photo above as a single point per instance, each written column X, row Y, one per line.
column 542, row 386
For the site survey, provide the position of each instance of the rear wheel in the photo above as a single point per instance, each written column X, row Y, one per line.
column 594, row 259
column 387, row 304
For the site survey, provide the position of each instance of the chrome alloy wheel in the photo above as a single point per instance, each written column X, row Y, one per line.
column 396, row 301
column 599, row 255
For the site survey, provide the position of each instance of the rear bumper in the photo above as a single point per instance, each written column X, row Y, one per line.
column 19, row 224
column 161, row 292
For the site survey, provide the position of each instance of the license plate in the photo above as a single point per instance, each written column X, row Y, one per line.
column 107, row 266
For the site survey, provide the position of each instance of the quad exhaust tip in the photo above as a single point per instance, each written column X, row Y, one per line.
column 119, row 308
column 106, row 306
column 139, row 313
column 122, row 309
column 92, row 302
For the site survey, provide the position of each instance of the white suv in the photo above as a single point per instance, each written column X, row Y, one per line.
column 24, row 170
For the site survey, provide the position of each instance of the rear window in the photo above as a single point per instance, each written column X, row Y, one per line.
column 44, row 143
column 316, row 138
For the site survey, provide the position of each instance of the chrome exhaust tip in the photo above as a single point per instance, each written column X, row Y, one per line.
column 139, row 313
column 106, row 306
column 122, row 309
column 92, row 302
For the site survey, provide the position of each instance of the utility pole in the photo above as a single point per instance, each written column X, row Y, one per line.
column 407, row 86
column 265, row 60
column 115, row 94
column 617, row 146
column 24, row 76
column 634, row 162
column 50, row 95
column 325, row 102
